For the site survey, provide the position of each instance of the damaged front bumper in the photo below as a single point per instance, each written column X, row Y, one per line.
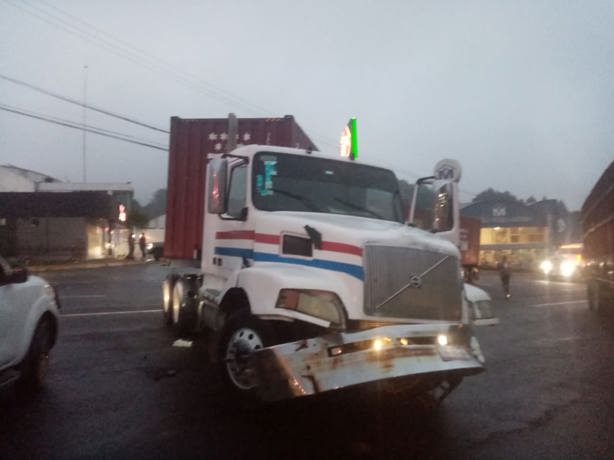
column 341, row 360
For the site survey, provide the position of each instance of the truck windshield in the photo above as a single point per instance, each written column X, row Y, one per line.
column 283, row 182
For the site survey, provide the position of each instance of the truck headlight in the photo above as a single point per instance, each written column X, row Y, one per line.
column 320, row 304
column 567, row 268
column 546, row 266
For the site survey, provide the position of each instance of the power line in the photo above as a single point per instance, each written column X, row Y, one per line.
column 81, row 104
column 91, row 129
column 140, row 57
column 129, row 52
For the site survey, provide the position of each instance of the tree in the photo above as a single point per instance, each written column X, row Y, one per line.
column 491, row 194
column 136, row 218
column 157, row 206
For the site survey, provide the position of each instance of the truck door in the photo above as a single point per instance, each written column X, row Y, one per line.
column 235, row 242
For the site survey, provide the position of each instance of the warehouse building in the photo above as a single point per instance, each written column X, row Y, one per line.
column 525, row 233
column 43, row 218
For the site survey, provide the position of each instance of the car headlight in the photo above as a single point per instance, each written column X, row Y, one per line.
column 52, row 293
column 567, row 268
column 149, row 246
column 320, row 304
column 546, row 266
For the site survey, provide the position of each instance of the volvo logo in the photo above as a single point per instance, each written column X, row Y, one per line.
column 415, row 281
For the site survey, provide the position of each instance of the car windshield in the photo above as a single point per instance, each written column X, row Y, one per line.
column 283, row 182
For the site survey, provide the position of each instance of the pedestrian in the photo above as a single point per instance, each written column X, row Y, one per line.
column 130, row 246
column 142, row 244
column 505, row 273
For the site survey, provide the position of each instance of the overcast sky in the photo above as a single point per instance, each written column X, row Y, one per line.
column 521, row 93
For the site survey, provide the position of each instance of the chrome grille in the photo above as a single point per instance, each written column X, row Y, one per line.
column 411, row 283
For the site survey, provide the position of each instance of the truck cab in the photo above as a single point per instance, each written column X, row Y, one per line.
column 312, row 280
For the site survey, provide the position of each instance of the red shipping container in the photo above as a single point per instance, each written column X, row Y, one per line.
column 190, row 142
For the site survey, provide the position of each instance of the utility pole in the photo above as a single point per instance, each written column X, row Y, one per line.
column 85, row 68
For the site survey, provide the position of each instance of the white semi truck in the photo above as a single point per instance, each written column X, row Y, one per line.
column 313, row 280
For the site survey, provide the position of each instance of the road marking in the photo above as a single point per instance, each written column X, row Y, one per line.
column 551, row 304
column 110, row 313
column 83, row 296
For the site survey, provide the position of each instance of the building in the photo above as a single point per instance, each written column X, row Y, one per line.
column 525, row 233
column 47, row 219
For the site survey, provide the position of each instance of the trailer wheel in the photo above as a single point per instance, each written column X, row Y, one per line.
column 242, row 335
column 183, row 308
column 167, row 298
column 35, row 365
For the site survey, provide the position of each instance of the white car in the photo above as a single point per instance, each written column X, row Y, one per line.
column 29, row 320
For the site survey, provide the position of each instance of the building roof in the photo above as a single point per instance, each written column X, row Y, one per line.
column 15, row 179
column 501, row 213
column 33, row 176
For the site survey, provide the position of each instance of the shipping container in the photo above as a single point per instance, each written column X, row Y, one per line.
column 190, row 142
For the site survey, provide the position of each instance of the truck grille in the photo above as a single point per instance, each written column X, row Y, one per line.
column 411, row 283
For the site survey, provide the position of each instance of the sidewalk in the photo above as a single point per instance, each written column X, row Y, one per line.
column 79, row 265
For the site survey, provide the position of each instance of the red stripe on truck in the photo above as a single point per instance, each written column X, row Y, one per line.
column 267, row 238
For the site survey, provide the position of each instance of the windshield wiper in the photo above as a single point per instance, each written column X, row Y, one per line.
column 358, row 208
column 303, row 199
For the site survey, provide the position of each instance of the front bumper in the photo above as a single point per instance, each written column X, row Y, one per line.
column 342, row 360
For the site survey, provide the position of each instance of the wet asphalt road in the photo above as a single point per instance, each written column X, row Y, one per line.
column 119, row 389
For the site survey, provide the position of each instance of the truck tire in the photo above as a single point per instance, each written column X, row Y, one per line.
column 184, row 306
column 167, row 298
column 35, row 365
column 241, row 335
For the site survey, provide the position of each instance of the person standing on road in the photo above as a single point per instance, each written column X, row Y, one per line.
column 130, row 246
column 505, row 273
column 142, row 245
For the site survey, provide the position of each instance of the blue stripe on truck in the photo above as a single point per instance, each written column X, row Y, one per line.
column 353, row 270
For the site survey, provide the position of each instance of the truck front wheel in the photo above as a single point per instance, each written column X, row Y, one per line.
column 242, row 335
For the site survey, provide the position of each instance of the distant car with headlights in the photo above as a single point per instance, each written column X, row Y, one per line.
column 29, row 320
column 565, row 264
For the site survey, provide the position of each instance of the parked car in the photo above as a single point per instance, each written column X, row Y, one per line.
column 29, row 317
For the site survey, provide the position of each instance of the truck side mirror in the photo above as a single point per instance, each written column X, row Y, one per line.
column 443, row 211
column 216, row 185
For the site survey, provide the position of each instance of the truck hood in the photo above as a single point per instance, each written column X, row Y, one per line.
column 353, row 231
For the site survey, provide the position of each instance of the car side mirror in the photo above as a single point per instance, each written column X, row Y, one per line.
column 14, row 276
column 19, row 275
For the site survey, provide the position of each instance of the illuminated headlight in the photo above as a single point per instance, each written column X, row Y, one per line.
column 49, row 291
column 546, row 266
column 52, row 293
column 380, row 342
column 567, row 268
column 320, row 304
column 442, row 340
column 149, row 246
